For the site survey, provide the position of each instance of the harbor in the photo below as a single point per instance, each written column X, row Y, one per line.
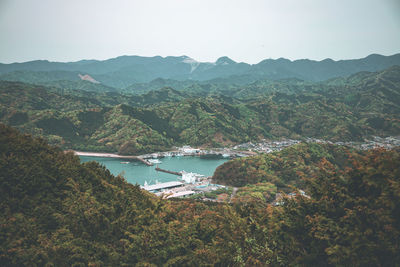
column 190, row 169
column 168, row 168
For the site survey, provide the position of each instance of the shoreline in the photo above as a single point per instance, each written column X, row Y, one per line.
column 246, row 149
column 111, row 155
column 99, row 154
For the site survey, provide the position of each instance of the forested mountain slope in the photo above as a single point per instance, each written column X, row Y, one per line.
column 338, row 110
column 282, row 168
column 56, row 211
column 60, row 212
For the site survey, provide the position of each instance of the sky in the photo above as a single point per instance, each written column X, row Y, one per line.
column 244, row 30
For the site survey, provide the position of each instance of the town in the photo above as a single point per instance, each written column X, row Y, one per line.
column 190, row 184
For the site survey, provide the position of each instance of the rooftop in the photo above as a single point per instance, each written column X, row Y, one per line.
column 162, row 185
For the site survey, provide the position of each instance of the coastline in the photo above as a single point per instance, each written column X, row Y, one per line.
column 99, row 154
column 110, row 155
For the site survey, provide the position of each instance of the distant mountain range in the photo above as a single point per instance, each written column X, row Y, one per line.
column 133, row 71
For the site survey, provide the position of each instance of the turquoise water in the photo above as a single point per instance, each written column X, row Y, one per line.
column 136, row 172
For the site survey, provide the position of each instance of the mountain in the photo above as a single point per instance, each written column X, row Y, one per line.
column 140, row 88
column 224, row 61
column 83, row 85
column 56, row 211
column 349, row 109
column 122, row 72
column 40, row 77
column 59, row 212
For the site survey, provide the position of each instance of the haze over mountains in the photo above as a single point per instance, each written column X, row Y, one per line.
column 129, row 71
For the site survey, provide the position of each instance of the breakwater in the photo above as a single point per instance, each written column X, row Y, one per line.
column 167, row 171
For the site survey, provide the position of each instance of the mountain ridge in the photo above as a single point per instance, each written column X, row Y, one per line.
column 347, row 109
column 123, row 71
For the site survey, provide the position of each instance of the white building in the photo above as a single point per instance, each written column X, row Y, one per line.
column 161, row 186
column 188, row 150
column 190, row 177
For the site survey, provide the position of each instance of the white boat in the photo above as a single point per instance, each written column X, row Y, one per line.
column 154, row 161
column 124, row 162
column 226, row 155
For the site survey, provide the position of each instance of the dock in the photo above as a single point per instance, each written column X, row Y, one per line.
column 167, row 171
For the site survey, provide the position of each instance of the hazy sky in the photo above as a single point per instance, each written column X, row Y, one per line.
column 244, row 30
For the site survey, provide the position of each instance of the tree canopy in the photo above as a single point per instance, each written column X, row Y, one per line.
column 59, row 212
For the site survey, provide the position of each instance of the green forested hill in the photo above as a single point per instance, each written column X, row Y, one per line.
column 40, row 77
column 58, row 212
column 281, row 168
column 340, row 110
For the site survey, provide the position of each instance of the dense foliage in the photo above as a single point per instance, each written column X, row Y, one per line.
column 58, row 212
column 342, row 109
column 281, row 168
column 351, row 218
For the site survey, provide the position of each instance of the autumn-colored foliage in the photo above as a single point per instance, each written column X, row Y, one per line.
column 58, row 212
column 284, row 168
column 351, row 218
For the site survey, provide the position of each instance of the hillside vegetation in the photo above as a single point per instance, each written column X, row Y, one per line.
column 58, row 212
column 342, row 109
column 281, row 168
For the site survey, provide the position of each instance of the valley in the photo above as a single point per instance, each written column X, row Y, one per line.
column 345, row 109
column 200, row 133
column 84, row 214
column 238, row 167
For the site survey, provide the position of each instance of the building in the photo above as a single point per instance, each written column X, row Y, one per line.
column 190, row 177
column 189, row 150
column 158, row 187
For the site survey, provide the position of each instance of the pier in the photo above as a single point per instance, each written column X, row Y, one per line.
column 167, row 171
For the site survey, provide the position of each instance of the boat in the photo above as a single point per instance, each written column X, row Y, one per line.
column 124, row 162
column 226, row 155
column 154, row 161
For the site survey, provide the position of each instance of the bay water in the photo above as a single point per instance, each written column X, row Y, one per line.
column 137, row 173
